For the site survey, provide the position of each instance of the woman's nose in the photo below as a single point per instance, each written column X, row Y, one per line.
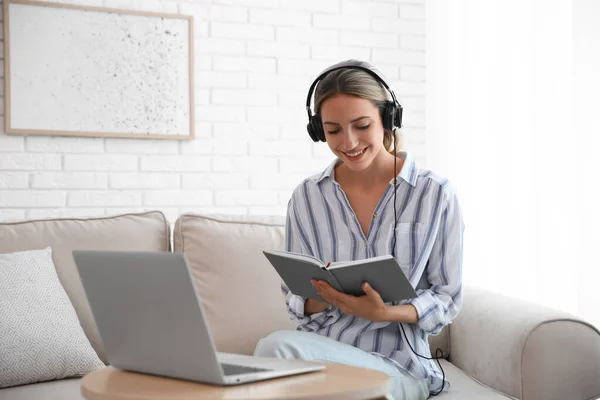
column 350, row 140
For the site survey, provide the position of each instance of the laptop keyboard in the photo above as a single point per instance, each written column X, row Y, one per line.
column 232, row 369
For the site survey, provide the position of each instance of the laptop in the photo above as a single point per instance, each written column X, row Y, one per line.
column 151, row 320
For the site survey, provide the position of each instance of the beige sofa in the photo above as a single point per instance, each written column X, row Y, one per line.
column 499, row 348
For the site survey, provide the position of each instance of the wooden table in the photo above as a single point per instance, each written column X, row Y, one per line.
column 336, row 382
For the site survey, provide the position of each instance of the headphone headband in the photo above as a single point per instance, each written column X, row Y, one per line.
column 362, row 65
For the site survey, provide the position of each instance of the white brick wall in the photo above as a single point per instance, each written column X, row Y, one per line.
column 254, row 61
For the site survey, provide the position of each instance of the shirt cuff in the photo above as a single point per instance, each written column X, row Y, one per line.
column 425, row 305
column 315, row 320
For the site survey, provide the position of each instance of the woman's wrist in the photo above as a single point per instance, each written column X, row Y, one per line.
column 314, row 306
column 405, row 313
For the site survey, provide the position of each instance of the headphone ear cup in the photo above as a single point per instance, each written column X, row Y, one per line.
column 398, row 116
column 309, row 129
column 315, row 129
column 389, row 116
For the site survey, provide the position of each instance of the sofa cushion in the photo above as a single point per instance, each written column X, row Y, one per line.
column 441, row 341
column 147, row 231
column 237, row 284
column 239, row 289
column 42, row 339
column 462, row 386
column 65, row 389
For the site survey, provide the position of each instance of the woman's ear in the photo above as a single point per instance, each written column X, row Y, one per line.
column 399, row 139
column 388, row 140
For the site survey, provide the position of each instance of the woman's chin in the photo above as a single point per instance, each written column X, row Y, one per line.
column 358, row 166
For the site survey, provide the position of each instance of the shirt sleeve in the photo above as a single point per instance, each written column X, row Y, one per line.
column 438, row 305
column 296, row 241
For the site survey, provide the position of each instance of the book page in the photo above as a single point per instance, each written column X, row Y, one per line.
column 298, row 256
column 342, row 264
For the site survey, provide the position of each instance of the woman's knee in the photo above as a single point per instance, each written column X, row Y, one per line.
column 282, row 344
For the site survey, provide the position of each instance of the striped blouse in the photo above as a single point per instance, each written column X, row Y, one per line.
column 429, row 232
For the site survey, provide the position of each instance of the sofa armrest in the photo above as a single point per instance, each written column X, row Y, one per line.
column 525, row 350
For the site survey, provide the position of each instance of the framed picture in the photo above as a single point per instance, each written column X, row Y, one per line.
column 90, row 71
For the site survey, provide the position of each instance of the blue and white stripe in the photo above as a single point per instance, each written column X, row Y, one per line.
column 429, row 233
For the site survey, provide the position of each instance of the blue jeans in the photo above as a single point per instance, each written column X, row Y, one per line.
column 312, row 346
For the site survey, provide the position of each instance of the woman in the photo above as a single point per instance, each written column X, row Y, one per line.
column 349, row 212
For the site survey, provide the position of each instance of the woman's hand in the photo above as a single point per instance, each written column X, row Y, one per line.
column 369, row 306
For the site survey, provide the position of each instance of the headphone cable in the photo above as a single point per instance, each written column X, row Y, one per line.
column 438, row 350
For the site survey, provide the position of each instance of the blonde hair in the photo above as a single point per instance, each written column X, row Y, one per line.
column 361, row 84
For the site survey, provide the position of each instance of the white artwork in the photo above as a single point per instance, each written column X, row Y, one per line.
column 88, row 71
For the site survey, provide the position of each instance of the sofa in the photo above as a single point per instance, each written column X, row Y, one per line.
column 497, row 348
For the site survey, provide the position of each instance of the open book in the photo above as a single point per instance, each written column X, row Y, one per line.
column 383, row 273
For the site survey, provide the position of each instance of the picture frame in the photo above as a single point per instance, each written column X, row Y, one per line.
column 73, row 70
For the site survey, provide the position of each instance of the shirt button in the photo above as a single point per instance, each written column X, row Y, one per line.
column 374, row 215
column 366, row 243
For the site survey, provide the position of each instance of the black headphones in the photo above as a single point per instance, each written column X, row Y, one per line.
column 391, row 112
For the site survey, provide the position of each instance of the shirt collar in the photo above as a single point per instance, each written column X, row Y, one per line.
column 410, row 170
column 408, row 173
column 329, row 170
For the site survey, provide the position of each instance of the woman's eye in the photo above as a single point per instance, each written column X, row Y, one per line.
column 333, row 132
column 363, row 127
